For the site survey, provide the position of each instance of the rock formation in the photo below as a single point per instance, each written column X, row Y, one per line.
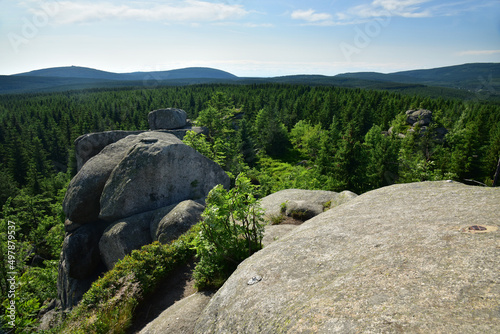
column 422, row 117
column 128, row 185
column 413, row 258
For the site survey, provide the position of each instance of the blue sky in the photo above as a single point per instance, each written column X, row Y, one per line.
column 248, row 38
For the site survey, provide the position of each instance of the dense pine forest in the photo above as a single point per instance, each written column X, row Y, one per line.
column 281, row 136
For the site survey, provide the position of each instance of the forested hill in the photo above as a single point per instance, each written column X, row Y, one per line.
column 468, row 81
column 467, row 76
column 90, row 73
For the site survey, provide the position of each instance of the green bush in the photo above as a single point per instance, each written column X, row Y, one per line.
column 231, row 231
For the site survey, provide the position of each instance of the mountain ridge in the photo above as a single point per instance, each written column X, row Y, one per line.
column 466, row 80
column 91, row 73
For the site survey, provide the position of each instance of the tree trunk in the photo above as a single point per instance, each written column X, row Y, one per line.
column 497, row 174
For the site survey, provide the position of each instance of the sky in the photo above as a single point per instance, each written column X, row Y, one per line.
column 261, row 38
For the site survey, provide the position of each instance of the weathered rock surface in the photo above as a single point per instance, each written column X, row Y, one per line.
column 421, row 117
column 125, row 235
column 90, row 144
column 180, row 317
column 158, row 172
column 275, row 232
column 170, row 118
column 178, row 221
column 398, row 259
column 81, row 202
column 79, row 264
column 307, row 203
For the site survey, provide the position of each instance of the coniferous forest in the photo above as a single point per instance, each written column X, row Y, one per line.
column 281, row 136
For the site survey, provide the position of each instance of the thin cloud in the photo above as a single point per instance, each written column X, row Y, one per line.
column 191, row 11
column 408, row 9
column 479, row 52
column 378, row 8
column 311, row 17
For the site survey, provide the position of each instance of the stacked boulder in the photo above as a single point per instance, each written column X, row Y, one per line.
column 423, row 119
column 143, row 187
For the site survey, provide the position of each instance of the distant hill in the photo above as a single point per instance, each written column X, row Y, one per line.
column 90, row 73
column 73, row 72
column 467, row 76
column 461, row 81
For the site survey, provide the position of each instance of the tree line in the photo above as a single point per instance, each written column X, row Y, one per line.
column 331, row 127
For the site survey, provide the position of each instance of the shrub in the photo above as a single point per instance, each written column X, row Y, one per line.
column 231, row 231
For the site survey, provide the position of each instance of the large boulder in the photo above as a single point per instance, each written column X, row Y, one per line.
column 168, row 119
column 302, row 204
column 158, row 172
column 415, row 258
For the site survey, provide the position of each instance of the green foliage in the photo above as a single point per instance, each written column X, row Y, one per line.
column 381, row 154
column 272, row 133
column 222, row 144
column 39, row 234
column 215, row 150
column 230, row 232
column 307, row 138
column 274, row 175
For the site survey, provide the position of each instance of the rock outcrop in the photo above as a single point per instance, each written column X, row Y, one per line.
column 413, row 258
column 81, row 202
column 123, row 191
column 422, row 117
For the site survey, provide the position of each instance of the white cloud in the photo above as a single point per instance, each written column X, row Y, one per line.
column 311, row 17
column 68, row 12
